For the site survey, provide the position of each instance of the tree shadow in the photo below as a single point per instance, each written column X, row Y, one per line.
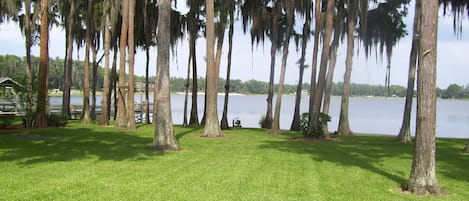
column 352, row 152
column 369, row 153
column 69, row 144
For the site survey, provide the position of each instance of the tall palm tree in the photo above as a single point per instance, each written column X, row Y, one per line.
column 131, row 49
column 353, row 9
column 319, row 91
column 265, row 20
column 41, row 113
column 305, row 8
column 121, row 121
column 404, row 133
column 289, row 9
column 164, row 133
column 70, row 35
column 193, row 26
column 29, row 28
column 212, row 126
column 338, row 30
column 104, row 118
column 86, row 115
column 422, row 178
column 224, row 119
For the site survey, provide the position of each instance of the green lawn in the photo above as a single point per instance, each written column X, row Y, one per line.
column 95, row 163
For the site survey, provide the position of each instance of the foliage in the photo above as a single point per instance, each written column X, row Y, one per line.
column 87, row 162
column 6, row 120
column 323, row 120
column 261, row 120
column 57, row 120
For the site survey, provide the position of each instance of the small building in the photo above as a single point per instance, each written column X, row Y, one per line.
column 8, row 95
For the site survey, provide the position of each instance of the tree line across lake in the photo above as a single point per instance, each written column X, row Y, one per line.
column 14, row 67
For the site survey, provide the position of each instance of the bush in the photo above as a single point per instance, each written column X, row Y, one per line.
column 323, row 120
column 6, row 120
column 57, row 120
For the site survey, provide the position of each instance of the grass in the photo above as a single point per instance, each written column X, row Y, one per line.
column 82, row 162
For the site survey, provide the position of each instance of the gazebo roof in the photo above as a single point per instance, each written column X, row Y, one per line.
column 8, row 82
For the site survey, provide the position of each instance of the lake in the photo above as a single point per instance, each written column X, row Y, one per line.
column 367, row 115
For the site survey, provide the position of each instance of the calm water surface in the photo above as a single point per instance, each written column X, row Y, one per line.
column 367, row 115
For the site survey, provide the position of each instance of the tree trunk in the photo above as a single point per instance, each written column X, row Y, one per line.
column 164, row 133
column 268, row 119
column 85, row 115
column 224, row 119
column 121, row 121
column 131, row 42
column 319, row 92
column 41, row 110
column 69, row 63
column 212, row 127
column 95, row 78
column 147, row 64
column 29, row 69
column 330, row 72
column 404, row 134
column 296, row 122
column 104, row 118
column 113, row 87
column 194, row 118
column 344, row 127
column 422, row 178
column 312, row 89
column 186, row 91
column 275, row 130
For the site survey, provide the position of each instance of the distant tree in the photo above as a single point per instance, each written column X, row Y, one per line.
column 453, row 91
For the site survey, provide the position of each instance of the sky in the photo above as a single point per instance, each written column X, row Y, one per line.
column 253, row 62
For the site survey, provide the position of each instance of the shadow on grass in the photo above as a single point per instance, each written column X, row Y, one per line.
column 68, row 144
column 370, row 153
column 353, row 151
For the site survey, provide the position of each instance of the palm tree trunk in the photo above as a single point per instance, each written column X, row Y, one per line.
column 312, row 90
column 275, row 130
column 267, row 123
column 344, row 127
column 121, row 121
column 319, row 92
column 104, row 118
column 404, row 134
column 194, row 117
column 330, row 72
column 86, row 117
column 186, row 90
column 212, row 126
column 95, row 79
column 164, row 133
column 113, row 86
column 41, row 110
column 29, row 69
column 224, row 119
column 296, row 122
column 422, row 178
column 68, row 67
column 131, row 42
column 147, row 65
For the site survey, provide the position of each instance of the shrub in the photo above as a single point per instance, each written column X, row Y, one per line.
column 6, row 120
column 323, row 120
column 57, row 120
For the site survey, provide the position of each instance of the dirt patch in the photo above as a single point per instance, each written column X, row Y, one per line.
column 314, row 139
column 442, row 193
